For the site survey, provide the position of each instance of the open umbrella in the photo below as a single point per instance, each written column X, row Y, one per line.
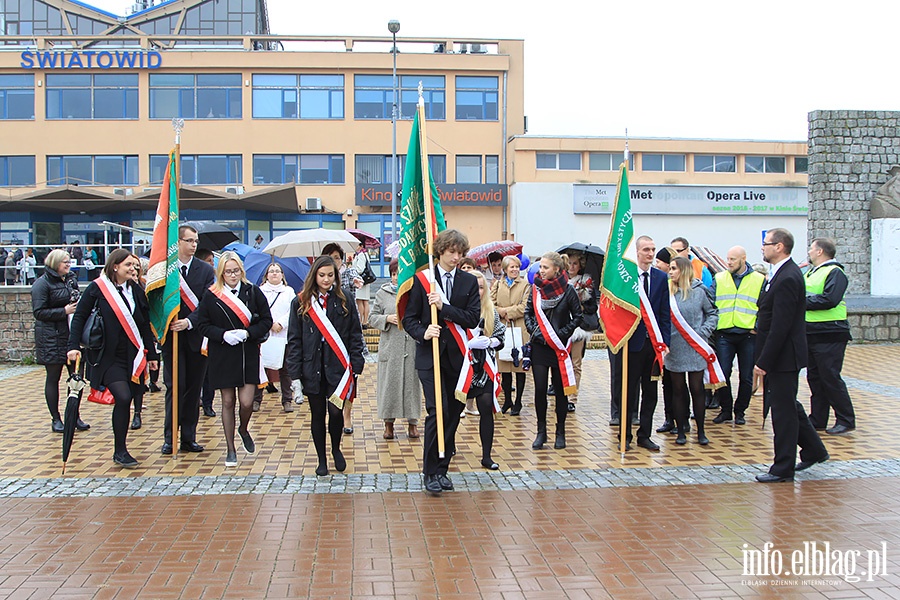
column 712, row 260
column 593, row 259
column 294, row 269
column 368, row 241
column 76, row 384
column 310, row 242
column 212, row 235
column 240, row 249
column 502, row 247
column 393, row 250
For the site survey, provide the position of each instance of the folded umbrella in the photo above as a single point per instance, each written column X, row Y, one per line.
column 76, row 385
column 502, row 247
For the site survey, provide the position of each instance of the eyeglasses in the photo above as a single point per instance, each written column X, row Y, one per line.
column 190, row 240
column 232, row 271
column 679, row 250
column 770, row 243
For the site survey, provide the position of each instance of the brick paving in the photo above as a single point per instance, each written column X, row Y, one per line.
column 584, row 522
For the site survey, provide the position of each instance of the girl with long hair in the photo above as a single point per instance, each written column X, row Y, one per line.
column 325, row 352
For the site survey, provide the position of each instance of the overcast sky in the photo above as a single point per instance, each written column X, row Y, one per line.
column 696, row 69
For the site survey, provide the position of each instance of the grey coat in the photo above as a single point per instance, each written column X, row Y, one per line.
column 703, row 316
column 399, row 394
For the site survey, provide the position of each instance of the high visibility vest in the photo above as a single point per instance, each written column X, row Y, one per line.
column 737, row 306
column 815, row 284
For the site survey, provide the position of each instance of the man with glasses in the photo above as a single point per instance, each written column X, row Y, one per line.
column 196, row 278
column 701, row 271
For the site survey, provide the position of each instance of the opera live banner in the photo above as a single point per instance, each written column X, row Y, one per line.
column 451, row 194
column 598, row 199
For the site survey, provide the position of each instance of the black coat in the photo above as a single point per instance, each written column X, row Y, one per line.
column 306, row 350
column 200, row 277
column 50, row 295
column 781, row 321
column 565, row 317
column 114, row 336
column 233, row 366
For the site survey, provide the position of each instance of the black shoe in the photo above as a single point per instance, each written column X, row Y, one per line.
column 681, row 440
column 348, row 430
column 506, row 406
column 516, row 409
column 539, row 440
column 739, row 419
column 166, row 448
column 231, row 459
column 249, row 446
column 125, row 460
column 702, row 439
column 571, row 407
column 271, row 389
column 722, row 417
column 769, row 478
column 489, row 464
column 154, row 388
column 713, row 405
column 666, row 427
column 636, row 421
column 445, row 482
column 191, row 447
column 839, row 430
column 58, row 426
column 805, row 464
column 432, row 485
column 615, row 422
column 648, row 444
column 560, row 442
column 208, row 411
column 550, row 390
column 81, row 425
column 136, row 421
column 340, row 463
column 322, row 470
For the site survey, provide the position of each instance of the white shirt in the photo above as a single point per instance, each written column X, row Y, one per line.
column 232, row 289
column 443, row 275
column 641, row 278
column 128, row 294
column 775, row 267
column 184, row 264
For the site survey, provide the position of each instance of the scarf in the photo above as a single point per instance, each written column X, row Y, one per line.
column 552, row 289
column 268, row 287
column 583, row 285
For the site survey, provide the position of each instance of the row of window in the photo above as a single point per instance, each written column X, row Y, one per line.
column 219, row 96
column 227, row 169
column 703, row 163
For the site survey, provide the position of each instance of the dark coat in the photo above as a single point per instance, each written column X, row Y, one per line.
column 233, row 366
column 659, row 301
column 307, row 351
column 464, row 310
column 50, row 295
column 781, row 321
column 114, row 335
column 200, row 277
column 565, row 317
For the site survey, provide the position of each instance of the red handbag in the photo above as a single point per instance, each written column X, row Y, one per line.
column 101, row 397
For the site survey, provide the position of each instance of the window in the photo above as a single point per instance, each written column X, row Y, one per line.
column 662, row 162
column 376, row 168
column 801, row 164
column 602, row 161
column 321, row 168
column 303, row 96
column 562, row 161
column 432, row 92
column 705, row 163
column 92, row 170
column 92, row 96
column 16, row 170
column 492, row 169
column 468, row 169
column 476, row 98
column 373, row 96
column 195, row 96
column 274, row 169
column 201, row 169
column 16, row 96
column 764, row 164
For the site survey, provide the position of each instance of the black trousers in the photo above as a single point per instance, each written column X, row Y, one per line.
column 432, row 464
column 790, row 424
column 542, row 374
column 729, row 345
column 827, row 389
column 191, row 373
column 640, row 366
column 615, row 386
column 485, row 403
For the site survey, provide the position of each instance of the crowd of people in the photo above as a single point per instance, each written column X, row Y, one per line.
column 239, row 338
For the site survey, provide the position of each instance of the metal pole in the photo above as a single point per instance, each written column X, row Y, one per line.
column 394, row 27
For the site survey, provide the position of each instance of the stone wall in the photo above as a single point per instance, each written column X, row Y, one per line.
column 850, row 153
column 16, row 324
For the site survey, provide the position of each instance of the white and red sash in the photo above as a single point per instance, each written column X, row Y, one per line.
column 243, row 314
column 713, row 376
column 562, row 352
column 344, row 390
column 653, row 330
column 493, row 372
column 190, row 299
column 129, row 326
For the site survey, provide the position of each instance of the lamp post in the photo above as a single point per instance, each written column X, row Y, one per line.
column 394, row 27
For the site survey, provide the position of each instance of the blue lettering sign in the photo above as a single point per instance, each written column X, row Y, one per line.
column 90, row 59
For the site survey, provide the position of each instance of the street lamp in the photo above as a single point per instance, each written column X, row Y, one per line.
column 394, row 27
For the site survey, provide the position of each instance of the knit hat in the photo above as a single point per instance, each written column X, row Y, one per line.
column 666, row 254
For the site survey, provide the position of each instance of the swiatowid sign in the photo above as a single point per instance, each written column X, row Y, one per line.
column 91, row 59
column 377, row 194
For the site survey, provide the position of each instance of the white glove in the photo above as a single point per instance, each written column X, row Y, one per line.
column 232, row 337
column 479, row 343
column 243, row 334
column 495, row 342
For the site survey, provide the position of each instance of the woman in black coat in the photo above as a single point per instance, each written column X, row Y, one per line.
column 561, row 306
column 53, row 299
column 313, row 361
column 236, row 318
column 127, row 351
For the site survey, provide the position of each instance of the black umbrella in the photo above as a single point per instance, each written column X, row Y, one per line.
column 593, row 259
column 212, row 235
column 76, row 385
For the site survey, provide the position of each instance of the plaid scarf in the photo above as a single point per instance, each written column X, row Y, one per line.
column 552, row 288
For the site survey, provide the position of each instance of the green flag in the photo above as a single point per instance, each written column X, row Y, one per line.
column 620, row 305
column 415, row 215
column 163, row 278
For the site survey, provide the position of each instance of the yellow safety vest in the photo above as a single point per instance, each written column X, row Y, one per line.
column 815, row 284
column 737, row 306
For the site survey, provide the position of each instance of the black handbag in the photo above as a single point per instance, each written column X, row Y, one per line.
column 92, row 336
column 368, row 275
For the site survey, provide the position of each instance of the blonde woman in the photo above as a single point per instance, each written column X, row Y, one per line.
column 510, row 294
column 235, row 316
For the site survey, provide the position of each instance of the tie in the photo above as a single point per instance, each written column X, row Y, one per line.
column 645, row 276
column 323, row 298
column 234, row 291
column 448, row 284
column 124, row 298
column 184, row 270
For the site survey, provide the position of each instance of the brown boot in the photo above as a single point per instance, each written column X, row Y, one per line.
column 388, row 430
column 413, row 431
column 288, row 407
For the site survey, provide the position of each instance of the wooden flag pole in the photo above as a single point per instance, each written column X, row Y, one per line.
column 178, row 125
column 624, row 419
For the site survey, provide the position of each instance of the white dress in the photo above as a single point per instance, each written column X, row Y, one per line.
column 279, row 299
column 359, row 263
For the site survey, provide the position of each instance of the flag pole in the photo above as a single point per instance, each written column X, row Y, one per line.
column 429, row 236
column 178, row 126
column 624, row 419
